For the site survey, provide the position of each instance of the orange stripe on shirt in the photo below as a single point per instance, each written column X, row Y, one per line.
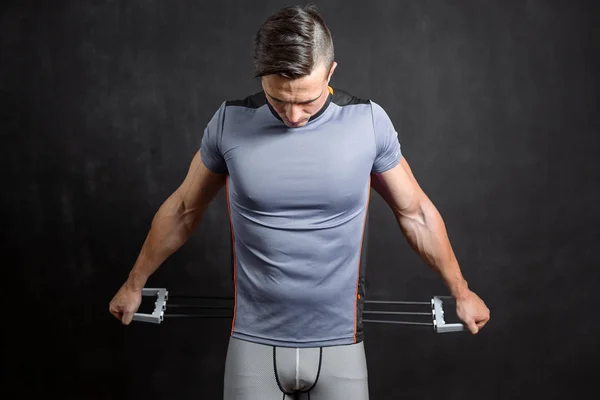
column 234, row 255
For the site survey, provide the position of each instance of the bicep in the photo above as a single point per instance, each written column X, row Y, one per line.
column 399, row 188
column 200, row 185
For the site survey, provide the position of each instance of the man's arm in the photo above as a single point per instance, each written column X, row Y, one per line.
column 171, row 227
column 175, row 220
column 422, row 225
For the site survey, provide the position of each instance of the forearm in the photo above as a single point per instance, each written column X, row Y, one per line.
column 171, row 227
column 427, row 235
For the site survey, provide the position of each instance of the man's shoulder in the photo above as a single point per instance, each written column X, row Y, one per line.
column 255, row 100
column 342, row 98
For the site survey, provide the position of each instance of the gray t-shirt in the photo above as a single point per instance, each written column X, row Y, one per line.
column 298, row 201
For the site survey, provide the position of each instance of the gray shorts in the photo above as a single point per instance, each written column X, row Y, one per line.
column 261, row 372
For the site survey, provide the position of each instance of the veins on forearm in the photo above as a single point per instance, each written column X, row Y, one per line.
column 426, row 234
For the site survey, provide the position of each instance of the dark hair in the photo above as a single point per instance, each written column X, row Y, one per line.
column 292, row 42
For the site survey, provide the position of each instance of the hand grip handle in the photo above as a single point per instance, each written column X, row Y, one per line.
column 439, row 324
column 160, row 305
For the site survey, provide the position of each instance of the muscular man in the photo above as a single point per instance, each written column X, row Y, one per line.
column 298, row 160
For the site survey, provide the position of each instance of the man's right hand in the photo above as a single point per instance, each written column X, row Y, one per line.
column 125, row 303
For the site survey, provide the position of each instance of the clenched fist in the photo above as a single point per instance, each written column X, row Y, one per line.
column 473, row 312
column 125, row 303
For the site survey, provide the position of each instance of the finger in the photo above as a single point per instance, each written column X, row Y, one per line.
column 472, row 327
column 116, row 313
column 127, row 317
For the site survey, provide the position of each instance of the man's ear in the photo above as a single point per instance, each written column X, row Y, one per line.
column 333, row 66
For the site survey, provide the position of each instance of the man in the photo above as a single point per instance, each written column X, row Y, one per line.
column 298, row 160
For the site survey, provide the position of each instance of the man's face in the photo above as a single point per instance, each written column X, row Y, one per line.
column 296, row 100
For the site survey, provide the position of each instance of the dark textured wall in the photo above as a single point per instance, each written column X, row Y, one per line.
column 103, row 104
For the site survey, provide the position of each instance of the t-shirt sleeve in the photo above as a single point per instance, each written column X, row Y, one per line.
column 388, row 153
column 210, row 146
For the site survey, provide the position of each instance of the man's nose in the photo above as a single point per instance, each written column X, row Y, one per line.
column 294, row 113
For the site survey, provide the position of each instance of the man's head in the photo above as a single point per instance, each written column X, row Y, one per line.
column 294, row 58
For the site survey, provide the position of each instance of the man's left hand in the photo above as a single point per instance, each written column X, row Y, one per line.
column 472, row 311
